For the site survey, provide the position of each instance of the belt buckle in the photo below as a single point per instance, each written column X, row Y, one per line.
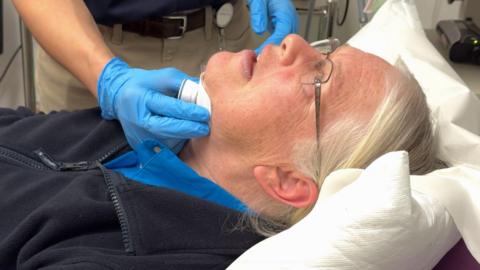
column 183, row 27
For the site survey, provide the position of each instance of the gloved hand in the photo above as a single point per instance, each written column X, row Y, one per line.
column 277, row 15
column 140, row 100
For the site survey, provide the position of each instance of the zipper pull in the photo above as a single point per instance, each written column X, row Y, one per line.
column 47, row 160
column 64, row 166
column 77, row 166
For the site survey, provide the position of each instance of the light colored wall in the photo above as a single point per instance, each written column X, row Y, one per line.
column 433, row 11
column 11, row 88
column 472, row 9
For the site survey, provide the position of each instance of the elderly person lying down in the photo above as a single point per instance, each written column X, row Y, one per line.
column 72, row 195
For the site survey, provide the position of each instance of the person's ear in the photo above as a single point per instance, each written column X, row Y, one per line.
column 287, row 186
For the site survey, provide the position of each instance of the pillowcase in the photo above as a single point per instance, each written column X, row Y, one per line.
column 376, row 222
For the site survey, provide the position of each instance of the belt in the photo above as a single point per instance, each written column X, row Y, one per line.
column 168, row 26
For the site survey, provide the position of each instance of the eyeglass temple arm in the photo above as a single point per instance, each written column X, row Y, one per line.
column 317, row 110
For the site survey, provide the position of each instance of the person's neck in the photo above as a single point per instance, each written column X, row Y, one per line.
column 214, row 161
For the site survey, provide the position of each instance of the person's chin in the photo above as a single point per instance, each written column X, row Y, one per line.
column 218, row 61
column 216, row 74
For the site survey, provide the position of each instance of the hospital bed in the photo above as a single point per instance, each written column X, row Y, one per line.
column 382, row 217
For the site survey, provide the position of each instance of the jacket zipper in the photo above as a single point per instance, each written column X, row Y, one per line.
column 122, row 217
column 115, row 197
column 24, row 160
column 111, row 152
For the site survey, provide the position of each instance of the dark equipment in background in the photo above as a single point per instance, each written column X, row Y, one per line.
column 462, row 39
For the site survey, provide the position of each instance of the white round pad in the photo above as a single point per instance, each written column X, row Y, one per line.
column 224, row 15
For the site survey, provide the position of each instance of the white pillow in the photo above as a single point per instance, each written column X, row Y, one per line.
column 376, row 222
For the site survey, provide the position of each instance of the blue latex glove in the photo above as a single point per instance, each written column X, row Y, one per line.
column 140, row 100
column 277, row 15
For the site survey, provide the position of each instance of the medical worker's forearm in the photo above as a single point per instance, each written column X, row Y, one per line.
column 67, row 31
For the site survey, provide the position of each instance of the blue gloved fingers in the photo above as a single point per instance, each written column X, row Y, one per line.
column 165, row 79
column 176, row 128
column 258, row 15
column 284, row 20
column 171, row 107
column 283, row 15
column 276, row 38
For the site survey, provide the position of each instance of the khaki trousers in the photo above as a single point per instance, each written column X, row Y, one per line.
column 58, row 89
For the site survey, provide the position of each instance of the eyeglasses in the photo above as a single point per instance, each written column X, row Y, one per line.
column 323, row 72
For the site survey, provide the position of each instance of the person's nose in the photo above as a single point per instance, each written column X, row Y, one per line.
column 293, row 49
